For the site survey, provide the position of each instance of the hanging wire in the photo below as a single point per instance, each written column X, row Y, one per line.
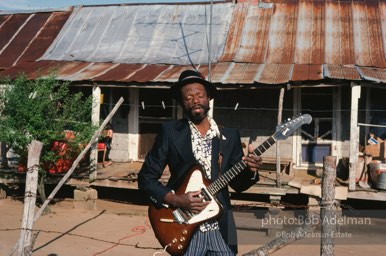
column 239, row 107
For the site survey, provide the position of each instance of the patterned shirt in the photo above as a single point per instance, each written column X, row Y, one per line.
column 202, row 151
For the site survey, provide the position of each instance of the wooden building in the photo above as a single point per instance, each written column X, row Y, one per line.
column 270, row 60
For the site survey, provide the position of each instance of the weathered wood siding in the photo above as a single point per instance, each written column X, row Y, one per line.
column 255, row 116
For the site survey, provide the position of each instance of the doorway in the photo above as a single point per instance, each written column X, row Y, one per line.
column 317, row 137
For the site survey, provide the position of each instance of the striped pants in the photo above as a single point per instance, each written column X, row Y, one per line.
column 208, row 243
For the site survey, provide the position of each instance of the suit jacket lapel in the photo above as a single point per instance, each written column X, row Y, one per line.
column 183, row 141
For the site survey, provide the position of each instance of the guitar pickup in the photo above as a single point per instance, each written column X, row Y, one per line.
column 180, row 216
column 206, row 195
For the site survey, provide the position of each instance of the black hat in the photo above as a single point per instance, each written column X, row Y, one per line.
column 192, row 76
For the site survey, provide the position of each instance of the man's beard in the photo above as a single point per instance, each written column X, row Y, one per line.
column 196, row 118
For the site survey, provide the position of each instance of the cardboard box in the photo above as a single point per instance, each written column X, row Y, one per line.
column 376, row 150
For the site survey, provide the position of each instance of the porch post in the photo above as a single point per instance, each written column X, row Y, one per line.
column 354, row 134
column 133, row 120
column 211, row 106
column 297, row 138
column 96, row 99
column 279, row 120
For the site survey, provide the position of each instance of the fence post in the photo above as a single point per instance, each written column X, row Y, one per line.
column 328, row 207
column 31, row 184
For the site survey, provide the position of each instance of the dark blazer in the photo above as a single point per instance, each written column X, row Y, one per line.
column 173, row 147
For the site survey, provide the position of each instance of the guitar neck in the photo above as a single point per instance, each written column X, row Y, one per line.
column 229, row 175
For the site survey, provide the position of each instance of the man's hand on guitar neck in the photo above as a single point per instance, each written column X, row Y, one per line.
column 191, row 201
column 253, row 161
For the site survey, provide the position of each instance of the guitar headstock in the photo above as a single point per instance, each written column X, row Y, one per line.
column 284, row 130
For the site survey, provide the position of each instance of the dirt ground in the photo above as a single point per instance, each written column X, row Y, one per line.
column 118, row 225
column 117, row 228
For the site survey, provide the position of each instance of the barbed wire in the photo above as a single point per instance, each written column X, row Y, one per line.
column 285, row 205
column 236, row 206
column 164, row 106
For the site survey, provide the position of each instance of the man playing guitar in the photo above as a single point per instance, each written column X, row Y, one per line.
column 196, row 140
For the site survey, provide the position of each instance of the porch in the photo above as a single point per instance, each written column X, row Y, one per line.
column 303, row 182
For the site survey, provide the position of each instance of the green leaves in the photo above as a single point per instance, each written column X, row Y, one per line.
column 43, row 109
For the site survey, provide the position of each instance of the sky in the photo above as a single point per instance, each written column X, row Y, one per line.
column 11, row 5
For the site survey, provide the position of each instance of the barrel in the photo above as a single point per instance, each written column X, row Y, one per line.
column 378, row 175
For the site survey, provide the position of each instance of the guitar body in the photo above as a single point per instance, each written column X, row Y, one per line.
column 175, row 227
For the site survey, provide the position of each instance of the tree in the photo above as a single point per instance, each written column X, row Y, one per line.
column 44, row 110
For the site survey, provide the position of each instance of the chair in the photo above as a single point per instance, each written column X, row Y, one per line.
column 102, row 148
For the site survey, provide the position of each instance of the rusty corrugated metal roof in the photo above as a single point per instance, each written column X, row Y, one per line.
column 26, row 37
column 320, row 39
column 294, row 41
column 118, row 73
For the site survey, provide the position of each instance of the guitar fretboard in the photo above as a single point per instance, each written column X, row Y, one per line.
column 229, row 175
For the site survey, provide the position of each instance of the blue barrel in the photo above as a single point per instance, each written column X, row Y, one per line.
column 381, row 182
column 378, row 174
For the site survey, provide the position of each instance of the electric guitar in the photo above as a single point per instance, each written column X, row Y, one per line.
column 174, row 227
